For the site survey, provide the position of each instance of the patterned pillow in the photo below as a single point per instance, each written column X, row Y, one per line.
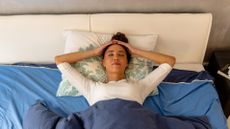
column 91, row 68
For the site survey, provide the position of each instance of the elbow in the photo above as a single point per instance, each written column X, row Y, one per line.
column 171, row 61
column 58, row 60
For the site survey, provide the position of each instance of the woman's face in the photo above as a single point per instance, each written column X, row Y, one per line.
column 115, row 59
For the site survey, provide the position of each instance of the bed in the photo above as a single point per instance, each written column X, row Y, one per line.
column 29, row 44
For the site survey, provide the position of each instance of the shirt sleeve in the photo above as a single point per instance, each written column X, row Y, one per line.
column 153, row 79
column 82, row 83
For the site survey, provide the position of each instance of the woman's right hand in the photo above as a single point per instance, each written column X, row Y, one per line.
column 98, row 51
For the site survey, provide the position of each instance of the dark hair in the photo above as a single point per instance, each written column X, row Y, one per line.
column 121, row 37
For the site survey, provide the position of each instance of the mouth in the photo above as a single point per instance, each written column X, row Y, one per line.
column 116, row 63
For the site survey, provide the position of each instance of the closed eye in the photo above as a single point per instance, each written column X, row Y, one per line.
column 110, row 54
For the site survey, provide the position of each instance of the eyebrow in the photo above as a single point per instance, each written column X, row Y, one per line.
column 120, row 51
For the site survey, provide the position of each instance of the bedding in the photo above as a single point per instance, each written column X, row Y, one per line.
column 177, row 75
column 111, row 114
column 193, row 98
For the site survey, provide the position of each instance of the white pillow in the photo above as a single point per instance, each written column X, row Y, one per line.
column 76, row 40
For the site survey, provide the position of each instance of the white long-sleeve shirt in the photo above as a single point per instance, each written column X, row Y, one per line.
column 123, row 89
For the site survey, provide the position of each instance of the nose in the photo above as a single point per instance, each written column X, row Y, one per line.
column 115, row 57
column 115, row 60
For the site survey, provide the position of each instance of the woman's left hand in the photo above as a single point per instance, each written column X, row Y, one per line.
column 132, row 50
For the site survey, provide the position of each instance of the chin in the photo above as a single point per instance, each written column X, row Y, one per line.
column 117, row 71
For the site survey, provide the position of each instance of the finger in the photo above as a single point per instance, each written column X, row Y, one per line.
column 123, row 44
column 114, row 41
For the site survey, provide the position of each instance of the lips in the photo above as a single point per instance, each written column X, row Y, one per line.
column 116, row 63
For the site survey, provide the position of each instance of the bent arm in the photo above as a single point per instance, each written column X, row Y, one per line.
column 77, row 56
column 74, row 57
column 156, row 57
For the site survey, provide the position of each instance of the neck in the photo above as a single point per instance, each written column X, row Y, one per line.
column 115, row 77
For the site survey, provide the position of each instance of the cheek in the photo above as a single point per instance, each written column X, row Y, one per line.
column 125, row 60
column 106, row 61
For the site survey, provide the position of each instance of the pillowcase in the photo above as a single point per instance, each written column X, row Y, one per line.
column 91, row 68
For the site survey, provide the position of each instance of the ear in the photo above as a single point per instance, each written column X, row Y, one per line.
column 102, row 62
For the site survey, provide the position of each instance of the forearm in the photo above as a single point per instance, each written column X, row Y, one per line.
column 156, row 57
column 74, row 57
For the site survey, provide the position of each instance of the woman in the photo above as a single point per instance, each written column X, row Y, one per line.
column 115, row 61
column 116, row 104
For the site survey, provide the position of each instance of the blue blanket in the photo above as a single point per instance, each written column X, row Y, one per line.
column 20, row 87
column 110, row 114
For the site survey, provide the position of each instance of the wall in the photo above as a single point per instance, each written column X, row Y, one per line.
column 220, row 33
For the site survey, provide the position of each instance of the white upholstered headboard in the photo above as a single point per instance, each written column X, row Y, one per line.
column 38, row 38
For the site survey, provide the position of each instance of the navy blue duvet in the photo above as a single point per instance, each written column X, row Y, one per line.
column 111, row 114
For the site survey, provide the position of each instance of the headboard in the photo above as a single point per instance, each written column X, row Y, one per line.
column 38, row 38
